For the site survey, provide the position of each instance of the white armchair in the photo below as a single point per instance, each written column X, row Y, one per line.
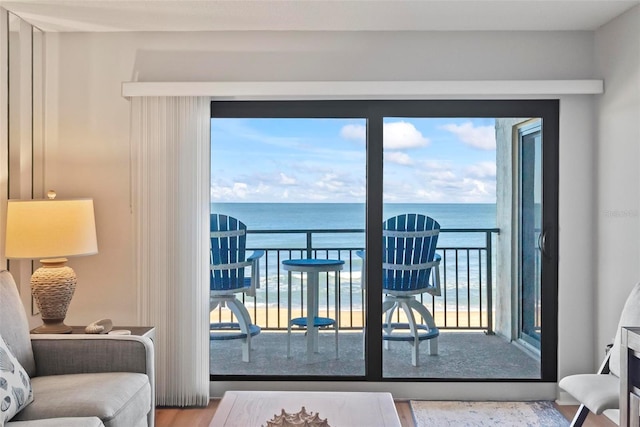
column 601, row 391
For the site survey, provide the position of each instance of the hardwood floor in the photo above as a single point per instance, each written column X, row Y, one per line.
column 404, row 413
column 187, row 417
column 201, row 417
column 592, row 420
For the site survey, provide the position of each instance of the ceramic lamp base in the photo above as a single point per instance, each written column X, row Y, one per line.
column 52, row 286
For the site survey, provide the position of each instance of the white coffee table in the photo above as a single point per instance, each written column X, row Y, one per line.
column 341, row 409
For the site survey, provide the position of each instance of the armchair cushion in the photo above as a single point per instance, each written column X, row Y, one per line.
column 117, row 398
column 15, row 386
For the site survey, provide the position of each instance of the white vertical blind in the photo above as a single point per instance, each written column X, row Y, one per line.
column 170, row 200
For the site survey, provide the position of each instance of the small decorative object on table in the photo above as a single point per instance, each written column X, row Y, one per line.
column 101, row 326
column 299, row 419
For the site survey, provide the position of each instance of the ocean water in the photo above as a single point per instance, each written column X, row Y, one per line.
column 316, row 216
column 462, row 276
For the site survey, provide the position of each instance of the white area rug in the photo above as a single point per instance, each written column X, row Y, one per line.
column 471, row 414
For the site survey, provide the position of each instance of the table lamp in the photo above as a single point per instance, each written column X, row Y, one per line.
column 51, row 230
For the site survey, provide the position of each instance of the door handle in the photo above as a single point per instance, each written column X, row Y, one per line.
column 542, row 244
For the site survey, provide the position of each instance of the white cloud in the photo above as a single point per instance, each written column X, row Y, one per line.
column 441, row 176
column 482, row 137
column 286, row 180
column 432, row 196
column 435, row 164
column 354, row 133
column 330, row 182
column 442, row 184
column 328, row 185
column 324, row 174
column 402, row 135
column 236, row 191
column 357, row 193
column 475, row 190
column 482, row 170
column 398, row 157
column 397, row 135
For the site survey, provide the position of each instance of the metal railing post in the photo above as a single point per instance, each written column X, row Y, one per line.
column 309, row 244
column 489, row 283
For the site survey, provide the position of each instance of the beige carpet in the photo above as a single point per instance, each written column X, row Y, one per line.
column 482, row 414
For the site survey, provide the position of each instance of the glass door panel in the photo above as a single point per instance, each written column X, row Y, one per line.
column 532, row 237
column 446, row 168
column 298, row 185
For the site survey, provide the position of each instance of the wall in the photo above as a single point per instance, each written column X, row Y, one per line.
column 506, row 304
column 87, row 147
column 617, row 218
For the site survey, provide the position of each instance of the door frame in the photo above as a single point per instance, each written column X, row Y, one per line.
column 374, row 111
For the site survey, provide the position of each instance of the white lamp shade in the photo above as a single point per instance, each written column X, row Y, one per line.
column 50, row 228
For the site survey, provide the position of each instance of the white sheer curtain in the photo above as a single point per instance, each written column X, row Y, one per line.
column 170, row 200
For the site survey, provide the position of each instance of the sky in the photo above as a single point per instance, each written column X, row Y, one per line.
column 426, row 160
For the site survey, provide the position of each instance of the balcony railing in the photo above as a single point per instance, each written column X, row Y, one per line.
column 466, row 278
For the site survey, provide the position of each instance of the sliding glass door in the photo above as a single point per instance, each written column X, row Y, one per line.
column 321, row 180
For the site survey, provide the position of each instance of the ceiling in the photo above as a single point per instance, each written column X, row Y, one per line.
column 318, row 15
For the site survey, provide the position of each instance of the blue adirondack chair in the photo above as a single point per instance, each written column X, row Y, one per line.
column 411, row 267
column 228, row 263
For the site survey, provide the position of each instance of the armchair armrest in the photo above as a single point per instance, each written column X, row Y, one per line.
column 435, row 272
column 74, row 354
column 255, row 271
column 256, row 255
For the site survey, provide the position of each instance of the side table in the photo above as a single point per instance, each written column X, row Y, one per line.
column 142, row 331
column 313, row 268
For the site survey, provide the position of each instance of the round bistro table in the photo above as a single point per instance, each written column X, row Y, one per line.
column 313, row 268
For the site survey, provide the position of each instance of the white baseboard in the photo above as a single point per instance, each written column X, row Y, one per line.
column 565, row 398
column 405, row 390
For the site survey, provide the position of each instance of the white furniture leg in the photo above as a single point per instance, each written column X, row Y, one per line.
column 244, row 320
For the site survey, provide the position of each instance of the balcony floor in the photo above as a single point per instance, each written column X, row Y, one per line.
column 471, row 355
